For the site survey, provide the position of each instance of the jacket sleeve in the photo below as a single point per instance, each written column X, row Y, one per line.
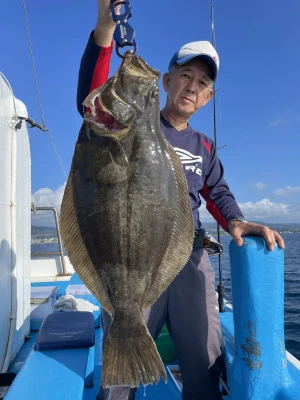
column 93, row 71
column 220, row 202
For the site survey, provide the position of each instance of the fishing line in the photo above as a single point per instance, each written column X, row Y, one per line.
column 38, row 93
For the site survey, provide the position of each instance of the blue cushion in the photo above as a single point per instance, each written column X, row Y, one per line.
column 66, row 330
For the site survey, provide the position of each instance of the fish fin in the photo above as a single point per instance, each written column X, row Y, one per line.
column 182, row 236
column 131, row 360
column 117, row 153
column 76, row 249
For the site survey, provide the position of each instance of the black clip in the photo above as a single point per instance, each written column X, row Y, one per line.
column 124, row 33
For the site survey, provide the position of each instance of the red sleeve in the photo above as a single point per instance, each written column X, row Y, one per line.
column 213, row 209
column 93, row 71
column 220, row 202
column 101, row 70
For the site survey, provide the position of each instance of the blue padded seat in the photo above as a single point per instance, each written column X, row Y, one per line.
column 64, row 362
column 42, row 300
column 66, row 330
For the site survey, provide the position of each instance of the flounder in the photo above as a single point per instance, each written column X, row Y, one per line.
column 126, row 219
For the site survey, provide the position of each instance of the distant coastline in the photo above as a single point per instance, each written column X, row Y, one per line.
column 44, row 233
column 281, row 228
column 211, row 227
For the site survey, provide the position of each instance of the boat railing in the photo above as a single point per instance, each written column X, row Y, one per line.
column 60, row 245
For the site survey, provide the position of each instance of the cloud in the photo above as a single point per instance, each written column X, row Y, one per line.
column 287, row 191
column 278, row 122
column 288, row 117
column 46, row 198
column 257, row 185
column 264, row 210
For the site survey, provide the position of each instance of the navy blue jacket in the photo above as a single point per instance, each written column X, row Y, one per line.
column 202, row 167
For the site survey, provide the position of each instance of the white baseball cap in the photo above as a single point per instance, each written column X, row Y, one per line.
column 203, row 49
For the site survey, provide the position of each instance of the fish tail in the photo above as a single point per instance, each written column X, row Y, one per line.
column 129, row 360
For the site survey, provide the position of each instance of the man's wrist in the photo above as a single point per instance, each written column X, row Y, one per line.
column 236, row 219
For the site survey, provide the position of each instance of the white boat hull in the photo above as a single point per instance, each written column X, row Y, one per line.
column 15, row 205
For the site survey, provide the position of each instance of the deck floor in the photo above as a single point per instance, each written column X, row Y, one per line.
column 160, row 391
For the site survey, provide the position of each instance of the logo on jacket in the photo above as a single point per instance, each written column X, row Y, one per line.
column 189, row 160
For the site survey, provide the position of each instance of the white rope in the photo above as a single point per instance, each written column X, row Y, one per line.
column 33, row 65
column 38, row 93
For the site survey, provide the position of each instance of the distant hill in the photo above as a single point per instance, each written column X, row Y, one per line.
column 42, row 229
column 210, row 227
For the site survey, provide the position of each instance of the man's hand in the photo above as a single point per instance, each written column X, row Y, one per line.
column 238, row 229
column 105, row 26
column 104, row 12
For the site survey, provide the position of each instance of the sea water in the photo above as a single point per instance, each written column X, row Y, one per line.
column 291, row 286
column 44, row 239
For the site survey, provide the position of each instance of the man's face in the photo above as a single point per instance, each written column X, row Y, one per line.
column 189, row 87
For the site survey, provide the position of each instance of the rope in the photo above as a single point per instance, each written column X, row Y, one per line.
column 57, row 155
column 38, row 92
column 33, row 65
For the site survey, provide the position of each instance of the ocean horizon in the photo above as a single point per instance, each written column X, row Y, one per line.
column 45, row 239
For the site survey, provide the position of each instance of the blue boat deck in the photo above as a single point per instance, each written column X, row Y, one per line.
column 256, row 363
column 158, row 391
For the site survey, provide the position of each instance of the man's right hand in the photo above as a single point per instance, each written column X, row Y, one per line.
column 105, row 26
column 104, row 13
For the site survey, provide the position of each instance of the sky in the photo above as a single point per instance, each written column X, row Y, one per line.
column 257, row 91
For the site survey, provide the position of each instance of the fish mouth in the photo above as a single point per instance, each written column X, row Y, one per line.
column 102, row 119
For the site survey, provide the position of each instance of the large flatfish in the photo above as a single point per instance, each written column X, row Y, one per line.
column 126, row 219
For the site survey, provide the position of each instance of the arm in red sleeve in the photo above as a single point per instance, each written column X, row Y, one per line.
column 220, row 202
column 94, row 70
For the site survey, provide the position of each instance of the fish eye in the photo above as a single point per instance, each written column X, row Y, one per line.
column 155, row 93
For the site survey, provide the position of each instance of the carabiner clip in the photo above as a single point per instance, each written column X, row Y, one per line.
column 124, row 33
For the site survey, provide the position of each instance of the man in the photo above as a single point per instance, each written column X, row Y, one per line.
column 188, row 306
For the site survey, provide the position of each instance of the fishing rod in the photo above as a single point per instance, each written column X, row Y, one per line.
column 220, row 285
